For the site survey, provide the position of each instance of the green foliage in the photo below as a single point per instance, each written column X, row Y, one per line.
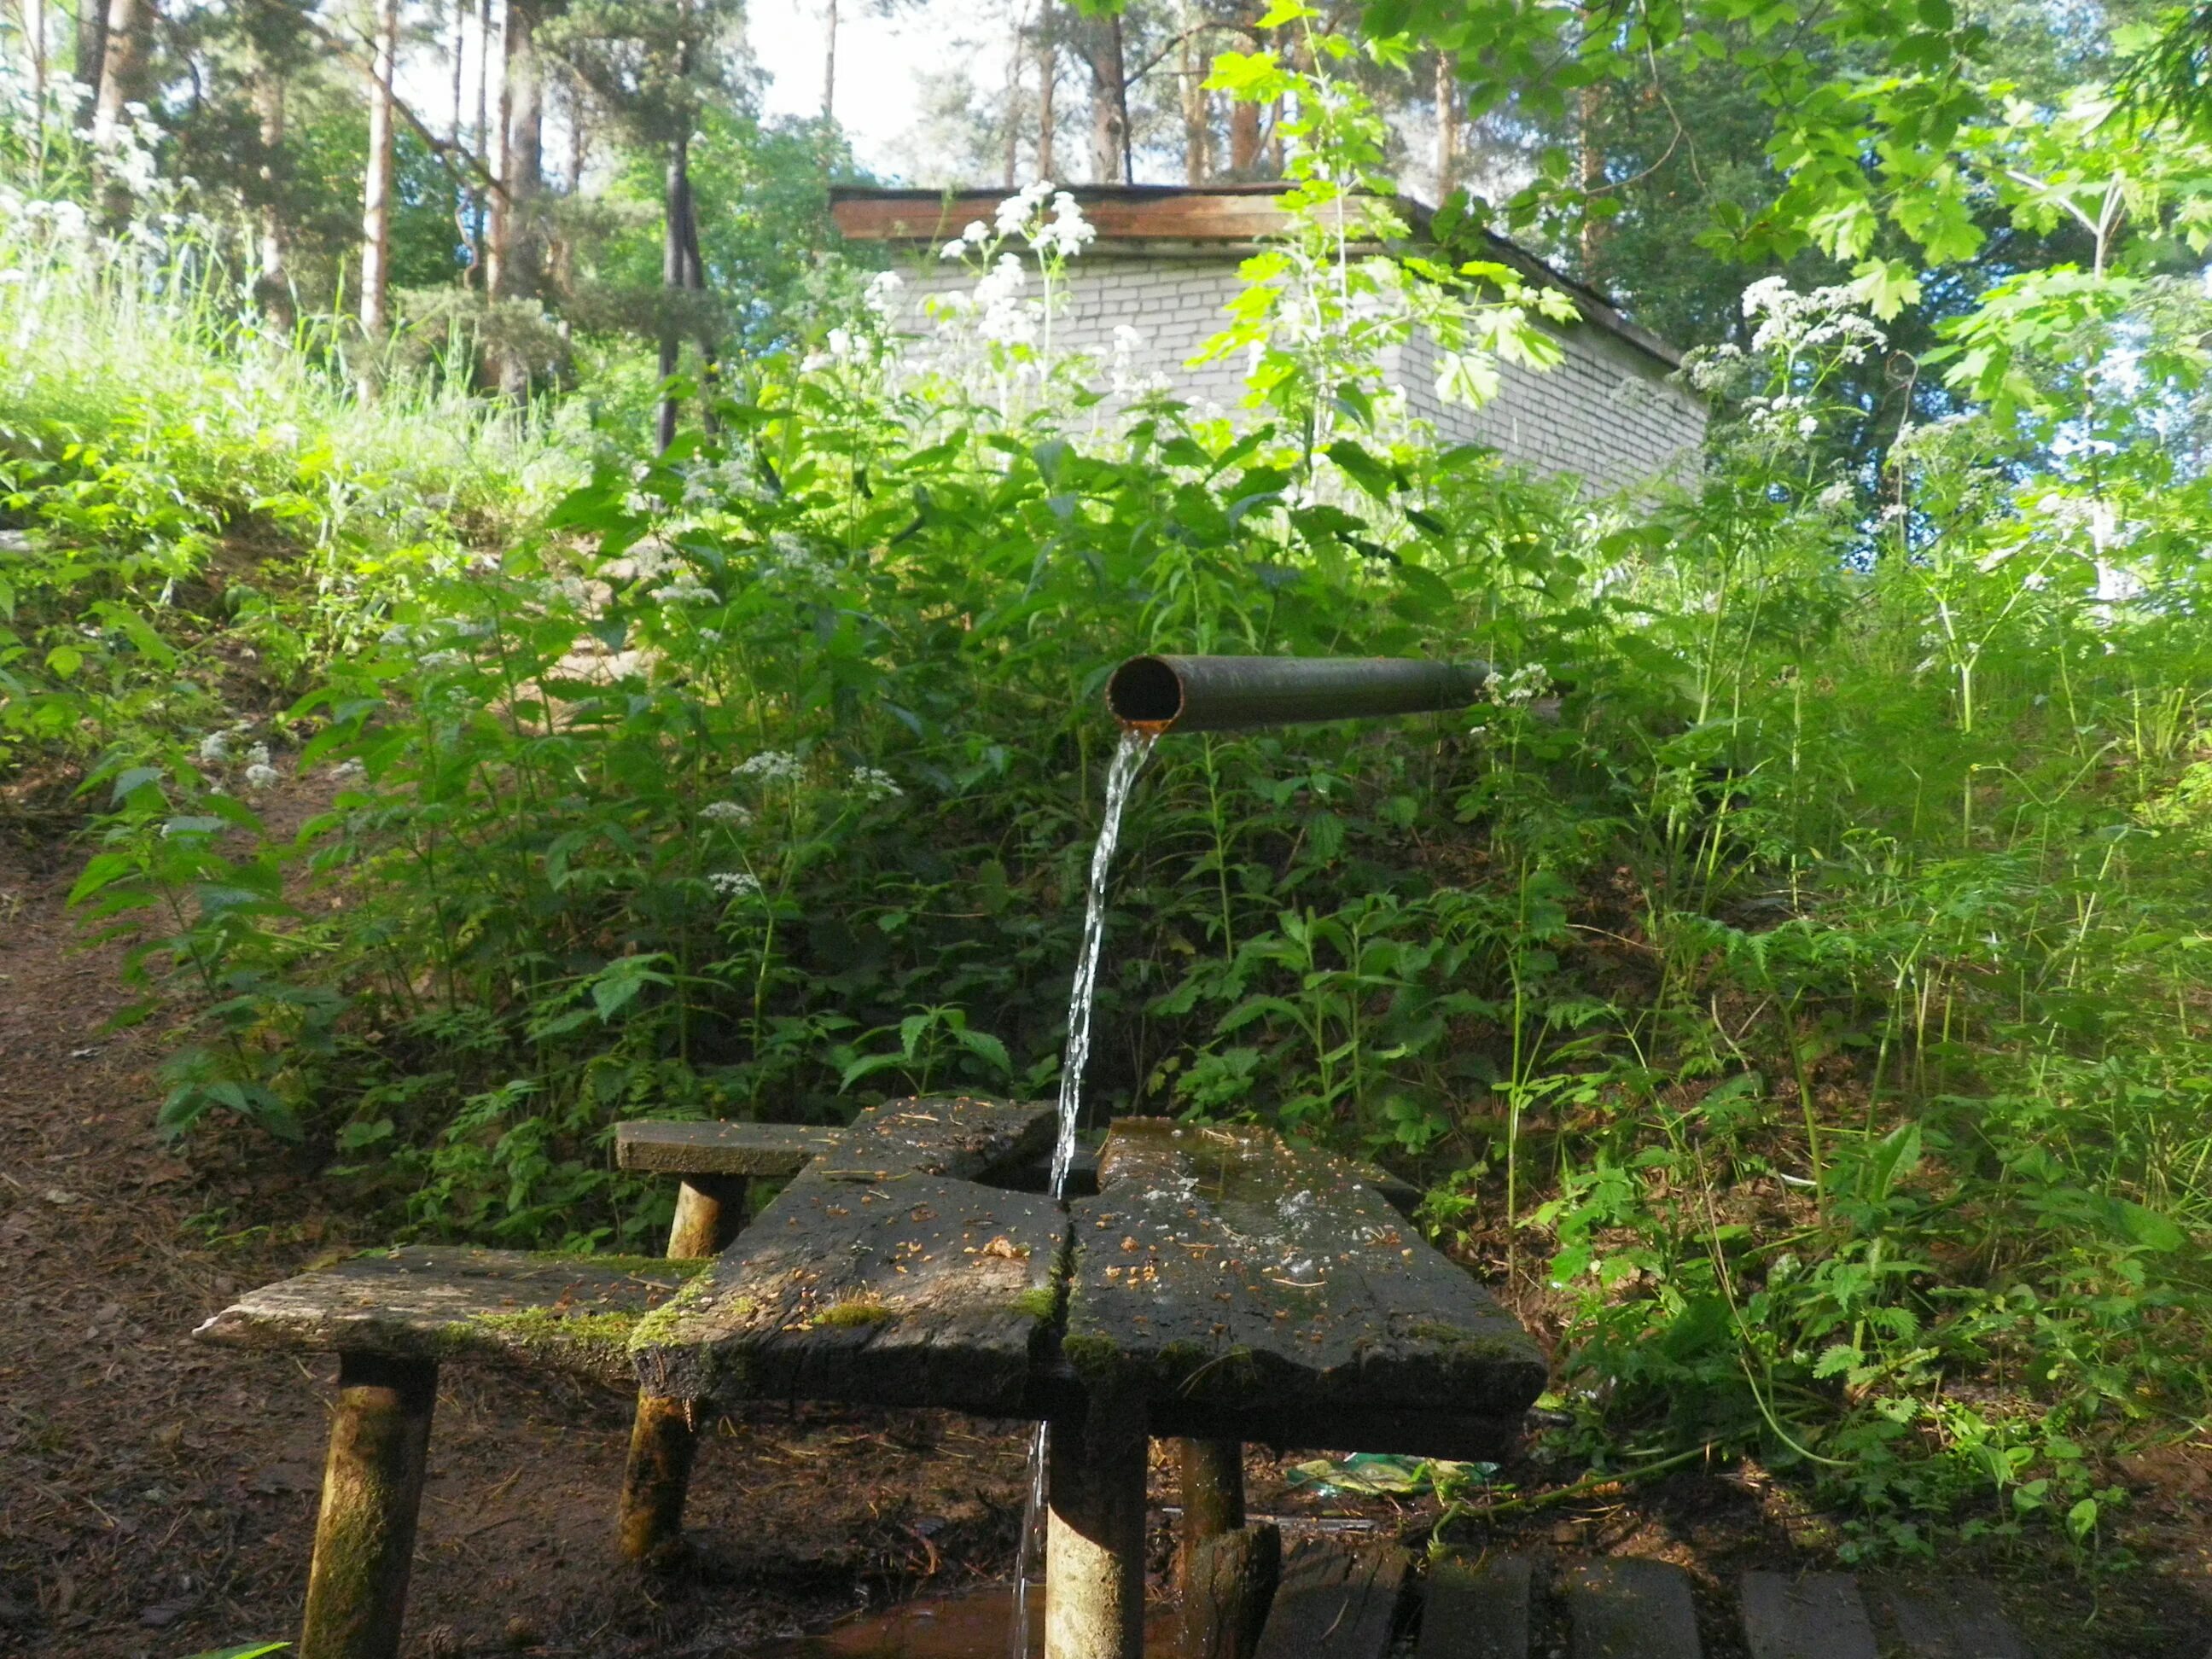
column 1795, row 969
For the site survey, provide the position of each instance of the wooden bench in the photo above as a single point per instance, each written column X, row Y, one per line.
column 1220, row 1287
column 393, row 1317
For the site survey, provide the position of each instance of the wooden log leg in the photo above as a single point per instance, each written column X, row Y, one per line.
column 372, row 1493
column 1212, row 1497
column 709, row 1213
column 1094, row 1572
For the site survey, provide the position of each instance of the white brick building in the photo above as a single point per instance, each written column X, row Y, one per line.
column 1165, row 262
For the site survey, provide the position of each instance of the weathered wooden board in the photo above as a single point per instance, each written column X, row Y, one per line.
column 572, row 1313
column 1627, row 1608
column 764, row 1151
column 949, row 1135
column 1476, row 1611
column 1957, row 1620
column 1218, row 1272
column 966, row 1137
column 911, row 1290
column 1335, row 1602
column 1813, row 1615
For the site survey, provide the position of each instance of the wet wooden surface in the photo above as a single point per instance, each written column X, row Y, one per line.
column 1220, row 1268
column 573, row 1314
column 957, row 1136
column 896, row 1290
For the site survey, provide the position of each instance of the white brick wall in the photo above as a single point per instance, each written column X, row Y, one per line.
column 1606, row 414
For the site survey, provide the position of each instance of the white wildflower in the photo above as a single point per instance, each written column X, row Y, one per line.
column 1836, row 497
column 686, row 590
column 955, row 249
column 734, row 884
column 727, row 811
column 883, row 291
column 872, row 783
column 258, row 756
column 1807, row 425
column 771, row 766
column 215, row 748
column 348, row 771
column 1520, row 688
column 260, row 775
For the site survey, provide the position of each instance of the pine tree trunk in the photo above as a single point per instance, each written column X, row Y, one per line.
column 1447, row 107
column 1590, row 160
column 1048, row 82
column 272, row 286
column 91, row 53
column 1197, row 106
column 829, row 61
column 479, row 205
column 523, row 99
column 1244, row 116
column 1014, row 116
column 123, row 64
column 1110, row 102
column 376, row 182
column 675, row 275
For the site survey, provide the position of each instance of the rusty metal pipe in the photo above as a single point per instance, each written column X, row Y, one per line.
column 1222, row 694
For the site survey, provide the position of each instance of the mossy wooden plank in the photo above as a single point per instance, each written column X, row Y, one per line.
column 1224, row 1270
column 763, row 1151
column 911, row 1290
column 960, row 1135
column 1812, row 1615
column 571, row 1313
column 1630, row 1609
column 1336, row 1602
column 966, row 1137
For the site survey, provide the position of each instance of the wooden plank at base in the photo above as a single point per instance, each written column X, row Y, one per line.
column 1958, row 1620
column 1630, row 1609
column 1335, row 1602
column 1477, row 1611
column 1814, row 1615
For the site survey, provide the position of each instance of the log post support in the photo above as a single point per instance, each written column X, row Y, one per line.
column 1212, row 1497
column 372, row 1495
column 710, row 1211
column 1094, row 1574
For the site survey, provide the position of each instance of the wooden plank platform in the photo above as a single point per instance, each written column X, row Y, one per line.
column 1814, row 1615
column 1266, row 1294
column 573, row 1313
column 1336, row 1602
column 1626, row 1608
column 1476, row 1610
column 906, row 1290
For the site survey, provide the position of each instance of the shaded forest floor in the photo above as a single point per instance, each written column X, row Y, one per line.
column 159, row 1499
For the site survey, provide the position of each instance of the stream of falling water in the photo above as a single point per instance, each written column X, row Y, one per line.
column 1120, row 778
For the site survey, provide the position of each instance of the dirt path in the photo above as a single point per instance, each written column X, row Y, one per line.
column 158, row 1500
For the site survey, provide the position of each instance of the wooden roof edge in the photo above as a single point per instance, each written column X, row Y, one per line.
column 947, row 211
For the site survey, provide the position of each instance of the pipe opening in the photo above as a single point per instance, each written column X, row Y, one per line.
column 1144, row 691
